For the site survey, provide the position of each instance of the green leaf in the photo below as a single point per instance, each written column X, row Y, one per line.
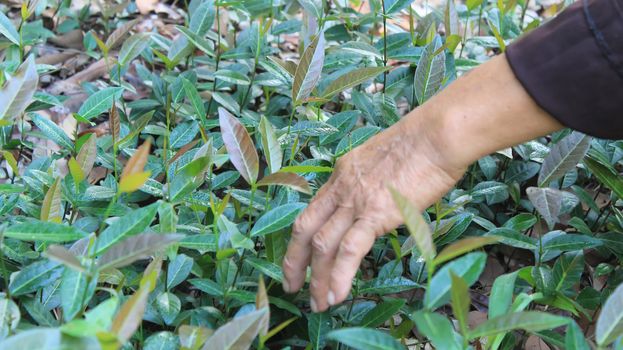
column 178, row 270
column 131, row 224
column 238, row 333
column 574, row 338
column 134, row 248
column 34, row 276
column 8, row 30
column 393, row 6
column 202, row 18
column 606, row 175
column 52, row 131
column 272, row 149
column 130, row 316
column 530, row 321
column 131, row 48
column 9, row 316
column 383, row 286
column 35, row 230
column 230, row 76
column 239, row 145
column 355, row 139
column 418, row 228
column 199, row 42
column 567, row 242
column 437, row 329
column 318, row 325
column 304, row 169
column 17, row 93
column 183, row 134
column 430, row 72
column 308, row 70
column 352, row 79
column 343, row 122
column 463, row 246
column 381, row 313
column 521, row 222
column 51, row 209
column 610, row 321
column 169, row 306
column 268, row 268
column 87, row 155
column 467, row 267
column 563, row 156
column 76, row 291
column 365, row 339
column 277, row 218
column 501, row 296
column 459, row 295
column 513, row 238
column 99, row 102
column 195, row 99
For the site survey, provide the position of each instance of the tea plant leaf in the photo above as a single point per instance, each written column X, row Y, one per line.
column 202, row 18
column 501, row 295
column 318, row 325
column 51, row 209
column 605, row 175
column 87, row 155
column 35, row 230
column 437, row 328
column 430, row 72
column 195, row 99
column 277, row 218
column 136, row 163
column 569, row 242
column 463, row 246
column 381, row 313
column 133, row 182
column 8, row 30
column 451, row 20
column 418, row 228
column 99, row 102
column 199, row 42
column 387, row 285
column 130, row 224
column 135, row 248
column 34, row 276
column 352, row 79
column 230, row 76
column 574, row 338
column 169, row 306
column 76, row 291
column 547, row 201
column 530, row 321
column 178, row 270
column 238, row 333
column 52, row 131
column 17, row 93
column 355, row 139
column 513, row 238
column 132, row 47
column 114, row 39
column 308, row 70
column 563, row 156
column 343, row 122
column 303, row 169
column 610, row 321
column 459, row 295
column 130, row 315
column 291, row 180
column 467, row 267
column 393, row 6
column 568, row 270
column 261, row 301
column 9, row 316
column 239, row 145
column 272, row 149
column 193, row 337
column 60, row 254
column 365, row 338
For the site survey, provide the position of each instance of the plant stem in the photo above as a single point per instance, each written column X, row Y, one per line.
column 384, row 44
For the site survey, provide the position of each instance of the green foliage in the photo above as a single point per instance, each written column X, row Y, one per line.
column 150, row 180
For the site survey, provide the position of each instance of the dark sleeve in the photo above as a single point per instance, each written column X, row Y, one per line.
column 573, row 67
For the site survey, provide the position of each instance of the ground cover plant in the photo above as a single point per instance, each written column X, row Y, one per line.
column 155, row 155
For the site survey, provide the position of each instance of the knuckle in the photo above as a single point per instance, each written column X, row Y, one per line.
column 319, row 245
column 349, row 247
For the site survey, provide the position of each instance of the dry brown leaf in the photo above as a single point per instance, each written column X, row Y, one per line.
column 71, row 39
column 536, row 343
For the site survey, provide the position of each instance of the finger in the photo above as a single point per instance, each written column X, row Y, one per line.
column 306, row 225
column 354, row 246
column 325, row 244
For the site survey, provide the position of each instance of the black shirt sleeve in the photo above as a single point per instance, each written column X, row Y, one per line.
column 573, row 67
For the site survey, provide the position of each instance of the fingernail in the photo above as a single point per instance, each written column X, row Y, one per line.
column 331, row 298
column 312, row 303
column 286, row 286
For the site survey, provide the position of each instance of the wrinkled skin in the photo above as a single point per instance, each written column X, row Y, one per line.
column 355, row 207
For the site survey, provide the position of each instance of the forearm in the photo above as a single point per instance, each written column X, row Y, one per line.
column 482, row 112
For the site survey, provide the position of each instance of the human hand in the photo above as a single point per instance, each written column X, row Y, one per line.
column 354, row 207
